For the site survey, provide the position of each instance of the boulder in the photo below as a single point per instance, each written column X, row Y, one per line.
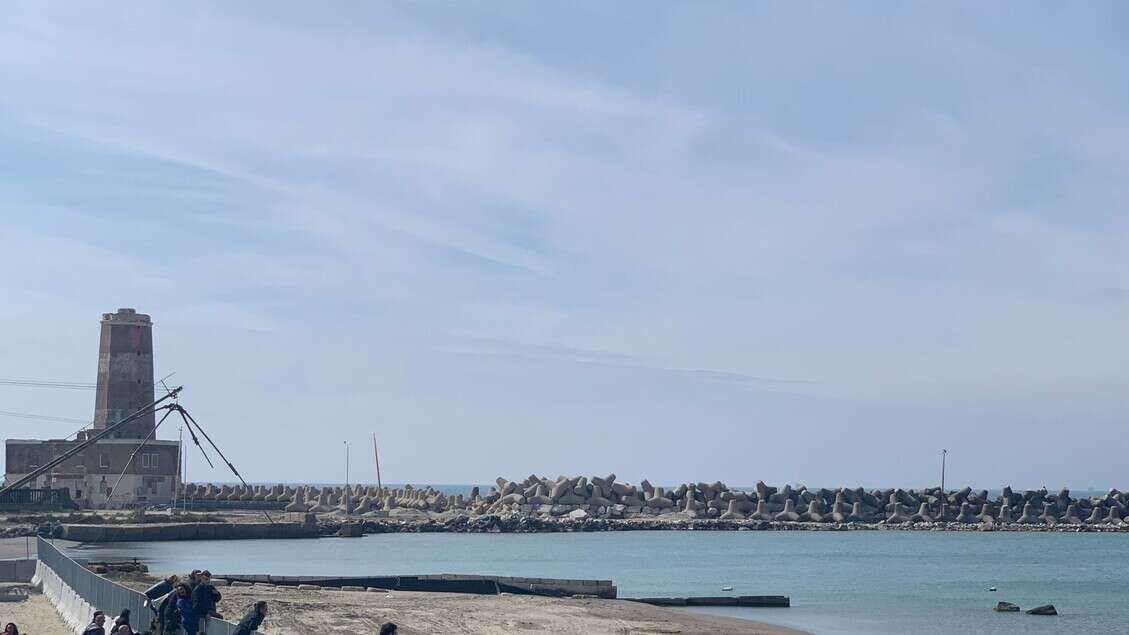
column 1006, row 607
column 1046, row 609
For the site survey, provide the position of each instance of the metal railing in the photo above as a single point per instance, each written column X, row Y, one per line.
column 109, row 596
column 26, row 497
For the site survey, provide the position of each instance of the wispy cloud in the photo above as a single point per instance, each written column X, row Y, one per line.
column 509, row 348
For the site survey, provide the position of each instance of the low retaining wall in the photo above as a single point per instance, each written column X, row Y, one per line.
column 17, row 570
column 187, row 531
column 445, row 583
column 778, row 601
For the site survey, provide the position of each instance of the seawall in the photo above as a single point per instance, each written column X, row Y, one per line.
column 188, row 531
column 441, row 583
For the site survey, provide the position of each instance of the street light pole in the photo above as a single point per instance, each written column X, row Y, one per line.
column 944, row 496
column 347, row 509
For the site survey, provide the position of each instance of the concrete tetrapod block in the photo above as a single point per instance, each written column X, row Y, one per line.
column 859, row 513
column 1005, row 515
column 1006, row 607
column 762, row 512
column 1096, row 517
column 734, row 512
column 922, row 515
column 965, row 515
column 897, row 516
column 985, row 516
column 815, row 512
column 789, row 513
column 1071, row 515
column 1028, row 516
column 1114, row 517
column 1048, row 516
column 838, row 512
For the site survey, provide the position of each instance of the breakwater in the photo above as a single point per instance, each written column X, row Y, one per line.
column 604, row 503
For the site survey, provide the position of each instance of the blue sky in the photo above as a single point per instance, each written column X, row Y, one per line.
column 687, row 241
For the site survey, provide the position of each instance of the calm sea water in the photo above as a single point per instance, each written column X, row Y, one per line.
column 858, row 582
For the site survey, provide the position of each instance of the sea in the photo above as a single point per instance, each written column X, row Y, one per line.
column 850, row 582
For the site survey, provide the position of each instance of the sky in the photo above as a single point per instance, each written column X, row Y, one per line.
column 802, row 242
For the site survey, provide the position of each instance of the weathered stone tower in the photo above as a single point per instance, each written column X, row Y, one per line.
column 125, row 373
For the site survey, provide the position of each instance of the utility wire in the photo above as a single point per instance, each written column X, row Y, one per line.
column 65, row 385
column 27, row 415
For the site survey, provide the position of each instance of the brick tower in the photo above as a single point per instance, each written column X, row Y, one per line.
column 125, row 373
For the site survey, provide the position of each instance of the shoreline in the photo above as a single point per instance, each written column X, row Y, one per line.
column 246, row 525
column 299, row 611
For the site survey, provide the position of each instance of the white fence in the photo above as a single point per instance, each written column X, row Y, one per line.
column 77, row 592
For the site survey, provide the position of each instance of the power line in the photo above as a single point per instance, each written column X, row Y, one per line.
column 27, row 415
column 64, row 385
column 32, row 383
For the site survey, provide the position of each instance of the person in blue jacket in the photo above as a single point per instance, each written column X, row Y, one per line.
column 189, row 620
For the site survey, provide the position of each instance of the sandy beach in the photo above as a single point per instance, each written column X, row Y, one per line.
column 295, row 612
column 305, row 612
column 34, row 616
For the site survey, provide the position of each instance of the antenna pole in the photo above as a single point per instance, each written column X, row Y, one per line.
column 347, row 510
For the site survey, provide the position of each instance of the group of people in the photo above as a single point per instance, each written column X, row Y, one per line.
column 121, row 625
column 182, row 608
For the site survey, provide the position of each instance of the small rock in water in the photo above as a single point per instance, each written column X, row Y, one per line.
column 991, row 588
column 1007, row 607
column 1046, row 609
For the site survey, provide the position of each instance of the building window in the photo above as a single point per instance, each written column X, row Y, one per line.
column 103, row 459
column 153, row 461
column 144, row 460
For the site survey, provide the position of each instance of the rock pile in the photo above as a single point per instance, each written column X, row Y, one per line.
column 579, row 497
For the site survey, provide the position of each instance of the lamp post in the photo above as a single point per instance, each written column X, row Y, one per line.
column 944, row 496
column 348, row 511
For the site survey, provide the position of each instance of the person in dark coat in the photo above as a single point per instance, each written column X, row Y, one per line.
column 389, row 628
column 11, row 629
column 168, row 616
column 189, row 621
column 122, row 618
column 205, row 596
column 253, row 619
column 96, row 623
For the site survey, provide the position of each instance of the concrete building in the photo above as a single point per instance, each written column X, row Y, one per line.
column 124, row 385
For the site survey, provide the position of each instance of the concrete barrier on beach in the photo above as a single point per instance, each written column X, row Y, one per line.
column 575, row 498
